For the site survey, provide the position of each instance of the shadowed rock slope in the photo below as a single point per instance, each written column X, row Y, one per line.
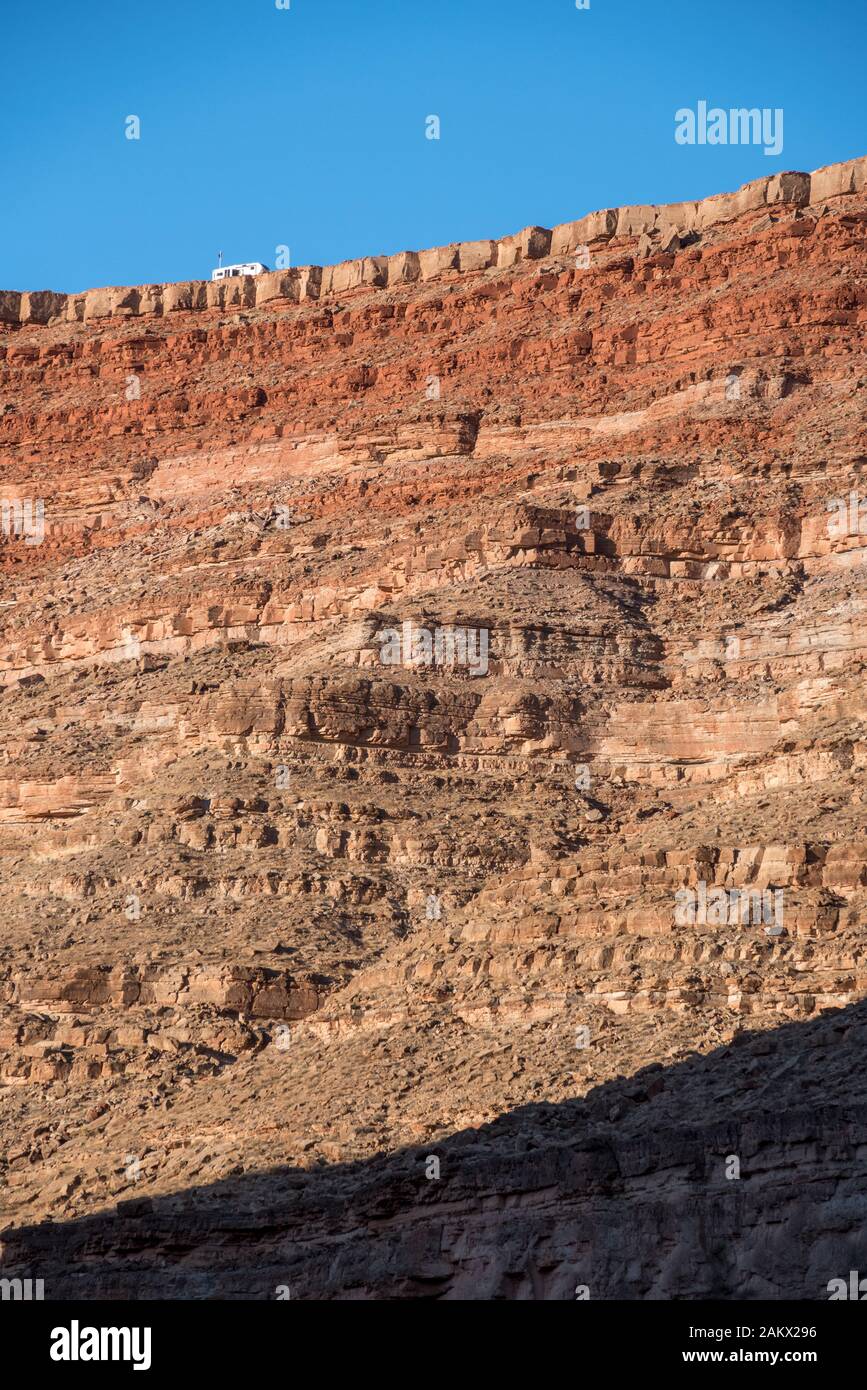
column 277, row 910
column 627, row 1192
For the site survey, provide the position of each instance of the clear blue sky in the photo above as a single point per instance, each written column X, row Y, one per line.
column 306, row 126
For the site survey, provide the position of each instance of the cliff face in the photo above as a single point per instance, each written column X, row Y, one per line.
column 432, row 703
column 314, row 282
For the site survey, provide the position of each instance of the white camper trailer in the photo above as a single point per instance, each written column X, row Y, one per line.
column 245, row 268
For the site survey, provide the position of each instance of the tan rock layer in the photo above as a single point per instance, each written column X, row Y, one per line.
column 792, row 189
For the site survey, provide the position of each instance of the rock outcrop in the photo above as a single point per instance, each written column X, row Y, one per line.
column 793, row 190
column 432, row 789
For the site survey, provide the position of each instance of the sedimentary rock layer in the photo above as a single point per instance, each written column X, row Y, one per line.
column 432, row 709
column 295, row 284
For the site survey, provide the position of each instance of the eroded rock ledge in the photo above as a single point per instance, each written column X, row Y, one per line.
column 533, row 243
column 231, row 1031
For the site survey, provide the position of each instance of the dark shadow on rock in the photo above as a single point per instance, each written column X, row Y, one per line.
column 631, row 1192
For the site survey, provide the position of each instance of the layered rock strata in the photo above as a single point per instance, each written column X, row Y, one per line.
column 568, row 893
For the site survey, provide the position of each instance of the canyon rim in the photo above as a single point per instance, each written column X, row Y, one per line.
column 540, row 976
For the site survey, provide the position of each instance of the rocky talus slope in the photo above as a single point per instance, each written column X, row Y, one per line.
column 366, row 977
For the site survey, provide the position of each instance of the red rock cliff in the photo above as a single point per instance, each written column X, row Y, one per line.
column 275, row 905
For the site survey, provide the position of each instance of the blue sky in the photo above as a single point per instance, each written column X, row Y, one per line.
column 305, row 127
